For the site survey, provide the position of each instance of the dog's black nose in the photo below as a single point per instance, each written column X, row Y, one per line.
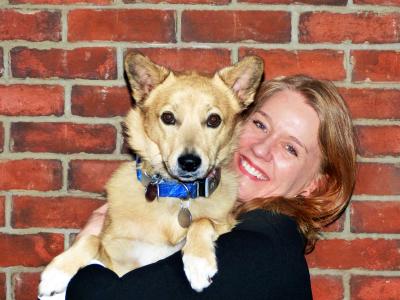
column 189, row 162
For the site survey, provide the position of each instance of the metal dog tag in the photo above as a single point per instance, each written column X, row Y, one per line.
column 184, row 217
column 151, row 192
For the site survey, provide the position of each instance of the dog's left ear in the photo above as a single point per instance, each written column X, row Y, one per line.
column 243, row 78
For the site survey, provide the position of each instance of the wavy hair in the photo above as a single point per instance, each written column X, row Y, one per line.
column 337, row 143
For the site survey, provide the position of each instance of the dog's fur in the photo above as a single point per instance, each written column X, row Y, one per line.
column 137, row 232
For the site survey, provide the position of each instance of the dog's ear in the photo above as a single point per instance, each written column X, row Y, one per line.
column 143, row 75
column 244, row 77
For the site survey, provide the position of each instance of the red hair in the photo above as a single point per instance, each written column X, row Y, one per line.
column 338, row 167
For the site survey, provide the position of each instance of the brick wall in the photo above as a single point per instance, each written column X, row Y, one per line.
column 63, row 96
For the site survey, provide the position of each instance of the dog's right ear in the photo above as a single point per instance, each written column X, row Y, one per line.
column 143, row 75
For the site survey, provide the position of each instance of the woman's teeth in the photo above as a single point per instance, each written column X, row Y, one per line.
column 252, row 171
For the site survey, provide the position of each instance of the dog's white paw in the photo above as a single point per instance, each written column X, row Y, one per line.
column 198, row 271
column 53, row 284
column 58, row 296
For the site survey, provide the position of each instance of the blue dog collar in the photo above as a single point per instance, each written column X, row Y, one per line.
column 177, row 189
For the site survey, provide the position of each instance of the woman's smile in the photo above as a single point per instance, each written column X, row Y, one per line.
column 250, row 170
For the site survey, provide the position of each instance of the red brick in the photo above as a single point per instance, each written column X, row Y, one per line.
column 213, row 2
column 2, row 211
column 32, row 26
column 336, row 226
column 85, row 63
column 378, row 2
column 374, row 287
column 206, row 61
column 236, row 26
column 309, row 62
column 378, row 179
column 31, row 100
column 375, row 216
column 90, row 175
column 325, row 27
column 121, row 25
column 57, row 212
column 372, row 103
column 2, row 286
column 373, row 65
column 62, row 2
column 63, row 137
column 25, row 285
column 378, row 140
column 325, row 287
column 29, row 250
column 372, row 254
column 30, row 174
column 1, row 137
column 99, row 101
column 312, row 2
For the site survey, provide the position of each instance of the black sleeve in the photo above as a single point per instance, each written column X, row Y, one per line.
column 261, row 259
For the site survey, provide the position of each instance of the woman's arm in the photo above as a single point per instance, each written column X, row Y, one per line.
column 95, row 222
column 261, row 259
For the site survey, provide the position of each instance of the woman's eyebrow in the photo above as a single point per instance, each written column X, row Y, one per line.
column 297, row 141
column 264, row 114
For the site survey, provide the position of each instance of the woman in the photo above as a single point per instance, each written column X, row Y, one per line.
column 296, row 170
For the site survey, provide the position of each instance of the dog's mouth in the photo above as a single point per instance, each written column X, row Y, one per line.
column 187, row 177
column 188, row 167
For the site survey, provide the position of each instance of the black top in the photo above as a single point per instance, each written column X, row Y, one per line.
column 262, row 258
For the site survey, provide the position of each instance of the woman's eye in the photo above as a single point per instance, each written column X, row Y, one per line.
column 291, row 150
column 213, row 120
column 168, row 118
column 260, row 125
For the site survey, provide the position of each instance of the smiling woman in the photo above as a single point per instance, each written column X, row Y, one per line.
column 278, row 152
column 297, row 153
column 296, row 170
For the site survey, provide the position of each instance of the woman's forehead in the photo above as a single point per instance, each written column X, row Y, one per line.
column 289, row 112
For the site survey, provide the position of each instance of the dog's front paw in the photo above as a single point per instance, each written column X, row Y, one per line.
column 53, row 284
column 199, row 271
column 58, row 296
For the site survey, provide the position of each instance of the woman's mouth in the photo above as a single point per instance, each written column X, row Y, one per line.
column 246, row 168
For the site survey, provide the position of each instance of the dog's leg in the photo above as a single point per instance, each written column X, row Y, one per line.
column 55, row 277
column 199, row 254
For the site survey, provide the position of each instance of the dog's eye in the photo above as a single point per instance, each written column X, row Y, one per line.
column 168, row 118
column 213, row 120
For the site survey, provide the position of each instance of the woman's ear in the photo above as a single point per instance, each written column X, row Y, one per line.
column 317, row 183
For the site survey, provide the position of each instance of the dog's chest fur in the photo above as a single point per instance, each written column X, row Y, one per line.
column 150, row 231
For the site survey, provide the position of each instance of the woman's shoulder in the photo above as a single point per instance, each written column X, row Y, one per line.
column 280, row 228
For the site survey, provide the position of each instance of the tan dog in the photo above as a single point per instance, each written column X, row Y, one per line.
column 183, row 127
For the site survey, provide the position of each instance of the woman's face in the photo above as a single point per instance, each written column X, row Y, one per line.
column 278, row 152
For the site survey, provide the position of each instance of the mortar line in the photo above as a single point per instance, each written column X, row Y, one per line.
column 120, row 63
column 9, row 287
column 64, row 25
column 67, row 100
column 354, row 271
column 122, row 83
column 7, row 136
column 8, row 211
column 6, row 63
column 346, row 285
column 45, row 45
column 178, row 26
column 234, row 5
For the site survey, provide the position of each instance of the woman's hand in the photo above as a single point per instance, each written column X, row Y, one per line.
column 95, row 222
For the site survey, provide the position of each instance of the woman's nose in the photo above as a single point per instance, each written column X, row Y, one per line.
column 263, row 148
